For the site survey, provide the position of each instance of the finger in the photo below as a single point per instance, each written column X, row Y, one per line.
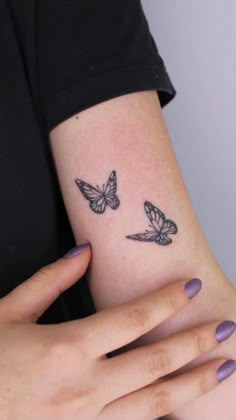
column 161, row 399
column 28, row 301
column 144, row 365
column 119, row 325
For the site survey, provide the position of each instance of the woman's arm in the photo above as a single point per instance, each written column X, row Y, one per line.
column 128, row 135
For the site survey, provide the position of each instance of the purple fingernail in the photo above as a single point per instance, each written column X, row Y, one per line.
column 226, row 370
column 76, row 250
column 225, row 330
column 193, row 287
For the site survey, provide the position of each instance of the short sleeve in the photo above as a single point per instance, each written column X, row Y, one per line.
column 91, row 51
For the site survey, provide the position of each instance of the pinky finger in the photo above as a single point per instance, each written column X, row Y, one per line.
column 163, row 398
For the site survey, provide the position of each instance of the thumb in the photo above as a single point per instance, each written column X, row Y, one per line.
column 29, row 301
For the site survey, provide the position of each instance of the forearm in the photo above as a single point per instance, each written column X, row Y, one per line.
column 128, row 135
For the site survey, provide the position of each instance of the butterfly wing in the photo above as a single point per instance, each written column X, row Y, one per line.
column 169, row 227
column 113, row 201
column 98, row 205
column 163, row 239
column 89, row 192
column 146, row 236
column 110, row 192
column 156, row 217
column 111, row 186
column 95, row 197
column 161, row 225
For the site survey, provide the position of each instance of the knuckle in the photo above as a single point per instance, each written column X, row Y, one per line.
column 205, row 384
column 139, row 318
column 65, row 351
column 158, row 363
column 85, row 399
column 173, row 302
column 160, row 403
column 202, row 344
column 62, row 350
column 75, row 401
column 47, row 271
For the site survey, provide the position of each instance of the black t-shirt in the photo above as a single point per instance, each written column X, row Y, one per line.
column 59, row 57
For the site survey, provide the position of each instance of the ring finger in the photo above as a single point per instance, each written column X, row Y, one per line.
column 161, row 399
column 137, row 368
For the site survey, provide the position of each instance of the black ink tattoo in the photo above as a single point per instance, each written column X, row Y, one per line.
column 98, row 197
column 162, row 227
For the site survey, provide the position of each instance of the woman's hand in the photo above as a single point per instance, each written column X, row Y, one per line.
column 61, row 371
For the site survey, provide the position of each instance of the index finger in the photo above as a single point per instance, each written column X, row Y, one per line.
column 119, row 325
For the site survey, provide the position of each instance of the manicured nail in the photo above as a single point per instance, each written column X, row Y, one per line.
column 193, row 287
column 76, row 250
column 226, row 370
column 225, row 330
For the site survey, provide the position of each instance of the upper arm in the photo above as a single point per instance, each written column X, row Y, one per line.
column 102, row 113
column 126, row 135
column 110, row 82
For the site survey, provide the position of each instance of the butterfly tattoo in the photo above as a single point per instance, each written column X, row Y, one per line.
column 161, row 227
column 98, row 197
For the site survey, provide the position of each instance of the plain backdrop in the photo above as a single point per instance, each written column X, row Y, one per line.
column 197, row 41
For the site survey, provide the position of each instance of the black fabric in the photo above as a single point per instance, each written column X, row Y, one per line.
column 59, row 57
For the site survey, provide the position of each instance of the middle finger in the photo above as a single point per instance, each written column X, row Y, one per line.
column 117, row 326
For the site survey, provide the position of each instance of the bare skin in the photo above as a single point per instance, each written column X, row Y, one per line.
column 128, row 135
column 62, row 372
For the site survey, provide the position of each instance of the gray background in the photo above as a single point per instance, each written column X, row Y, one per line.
column 197, row 40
